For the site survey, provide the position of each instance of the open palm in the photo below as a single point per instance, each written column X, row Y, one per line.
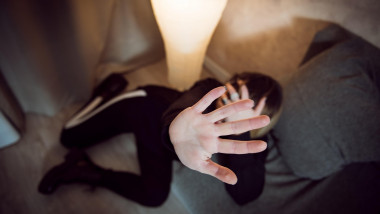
column 195, row 136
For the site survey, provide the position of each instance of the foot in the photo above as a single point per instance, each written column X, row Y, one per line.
column 105, row 91
column 110, row 87
column 76, row 168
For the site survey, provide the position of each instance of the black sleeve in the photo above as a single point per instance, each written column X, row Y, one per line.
column 187, row 99
column 250, row 170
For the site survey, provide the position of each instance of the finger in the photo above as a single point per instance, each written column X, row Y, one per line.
column 206, row 100
column 241, row 147
column 244, row 92
column 220, row 172
column 225, row 99
column 219, row 103
column 228, row 110
column 260, row 106
column 230, row 88
column 234, row 96
column 238, row 127
column 240, row 82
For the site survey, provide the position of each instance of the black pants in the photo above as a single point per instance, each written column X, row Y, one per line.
column 140, row 115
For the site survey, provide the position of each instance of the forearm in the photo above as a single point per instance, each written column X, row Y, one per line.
column 250, row 170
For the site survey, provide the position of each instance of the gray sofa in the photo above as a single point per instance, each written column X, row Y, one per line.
column 327, row 157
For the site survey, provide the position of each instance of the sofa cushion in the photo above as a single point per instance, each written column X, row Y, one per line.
column 331, row 111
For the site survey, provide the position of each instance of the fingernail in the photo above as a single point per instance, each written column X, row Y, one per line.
column 263, row 146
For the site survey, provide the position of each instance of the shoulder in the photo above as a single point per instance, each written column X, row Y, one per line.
column 207, row 84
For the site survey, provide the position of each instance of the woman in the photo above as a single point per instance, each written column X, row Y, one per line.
column 170, row 125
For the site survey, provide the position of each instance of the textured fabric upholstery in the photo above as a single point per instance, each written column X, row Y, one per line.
column 331, row 111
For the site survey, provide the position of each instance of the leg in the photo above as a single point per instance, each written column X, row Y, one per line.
column 116, row 118
column 118, row 115
column 150, row 189
column 153, row 186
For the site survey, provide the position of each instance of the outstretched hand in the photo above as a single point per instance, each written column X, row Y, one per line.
column 195, row 136
column 235, row 97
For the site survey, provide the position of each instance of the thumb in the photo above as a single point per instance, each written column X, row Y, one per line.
column 222, row 173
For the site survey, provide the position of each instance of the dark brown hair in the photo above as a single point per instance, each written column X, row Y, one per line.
column 261, row 85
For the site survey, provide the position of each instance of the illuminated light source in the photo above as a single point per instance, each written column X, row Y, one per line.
column 186, row 27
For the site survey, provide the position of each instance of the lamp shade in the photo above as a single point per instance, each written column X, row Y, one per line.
column 186, row 27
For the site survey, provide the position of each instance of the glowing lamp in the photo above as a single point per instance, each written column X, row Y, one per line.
column 186, row 27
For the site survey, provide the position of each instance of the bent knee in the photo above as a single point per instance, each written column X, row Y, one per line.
column 155, row 199
column 66, row 140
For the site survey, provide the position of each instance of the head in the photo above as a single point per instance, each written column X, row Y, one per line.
column 260, row 85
